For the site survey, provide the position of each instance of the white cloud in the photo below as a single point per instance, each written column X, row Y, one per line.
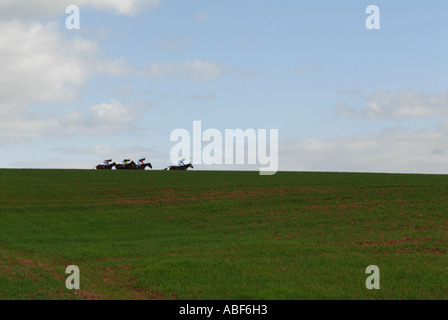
column 38, row 64
column 31, row 9
column 402, row 104
column 126, row 7
column 101, row 119
column 112, row 113
column 393, row 150
column 43, row 67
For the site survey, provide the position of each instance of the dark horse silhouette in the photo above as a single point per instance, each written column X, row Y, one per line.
column 184, row 167
column 143, row 166
column 130, row 165
column 133, row 166
column 107, row 167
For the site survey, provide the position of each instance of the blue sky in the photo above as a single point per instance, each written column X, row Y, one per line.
column 343, row 98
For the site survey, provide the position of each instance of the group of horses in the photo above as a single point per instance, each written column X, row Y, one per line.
column 120, row 166
column 133, row 166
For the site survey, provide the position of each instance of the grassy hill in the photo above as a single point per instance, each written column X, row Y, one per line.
column 222, row 235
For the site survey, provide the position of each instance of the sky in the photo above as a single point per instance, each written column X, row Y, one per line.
column 343, row 97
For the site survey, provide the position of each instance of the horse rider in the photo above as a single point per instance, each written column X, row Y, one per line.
column 106, row 162
column 126, row 161
column 181, row 162
column 141, row 161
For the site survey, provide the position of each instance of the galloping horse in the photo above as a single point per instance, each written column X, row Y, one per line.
column 184, row 167
column 107, row 167
column 130, row 165
column 143, row 166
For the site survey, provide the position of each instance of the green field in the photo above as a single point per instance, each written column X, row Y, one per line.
column 222, row 235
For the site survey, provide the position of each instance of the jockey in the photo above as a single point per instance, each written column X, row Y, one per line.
column 106, row 162
column 125, row 161
column 140, row 162
column 181, row 162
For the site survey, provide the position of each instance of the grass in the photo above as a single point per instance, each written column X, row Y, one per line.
column 222, row 235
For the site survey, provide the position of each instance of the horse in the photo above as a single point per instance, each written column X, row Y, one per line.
column 143, row 166
column 130, row 165
column 107, row 167
column 184, row 167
